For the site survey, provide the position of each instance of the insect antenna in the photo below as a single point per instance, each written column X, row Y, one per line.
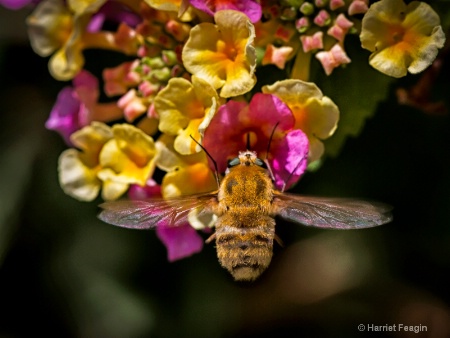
column 248, row 141
column 216, row 171
column 266, row 160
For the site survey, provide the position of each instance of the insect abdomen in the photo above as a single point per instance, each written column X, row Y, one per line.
column 245, row 251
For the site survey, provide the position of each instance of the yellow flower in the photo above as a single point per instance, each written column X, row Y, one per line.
column 54, row 28
column 78, row 169
column 186, row 175
column 85, row 6
column 316, row 115
column 127, row 158
column 165, row 5
column 402, row 37
column 223, row 54
column 185, row 109
column 49, row 26
column 109, row 158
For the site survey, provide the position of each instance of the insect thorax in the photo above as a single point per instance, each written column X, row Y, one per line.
column 246, row 186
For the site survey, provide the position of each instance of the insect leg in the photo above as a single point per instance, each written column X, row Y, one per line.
column 211, row 238
column 279, row 240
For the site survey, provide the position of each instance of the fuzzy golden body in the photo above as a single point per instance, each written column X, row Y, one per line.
column 246, row 205
column 245, row 228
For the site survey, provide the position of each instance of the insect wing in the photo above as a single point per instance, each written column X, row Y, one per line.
column 146, row 214
column 338, row 213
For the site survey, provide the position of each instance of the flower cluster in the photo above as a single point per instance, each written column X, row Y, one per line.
column 185, row 78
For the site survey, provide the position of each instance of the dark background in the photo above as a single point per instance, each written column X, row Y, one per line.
column 64, row 273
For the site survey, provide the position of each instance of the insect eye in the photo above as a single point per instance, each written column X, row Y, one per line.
column 234, row 162
column 259, row 162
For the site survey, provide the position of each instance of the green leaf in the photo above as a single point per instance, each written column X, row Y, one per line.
column 356, row 89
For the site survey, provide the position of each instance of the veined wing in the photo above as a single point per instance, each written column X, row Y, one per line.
column 324, row 212
column 146, row 214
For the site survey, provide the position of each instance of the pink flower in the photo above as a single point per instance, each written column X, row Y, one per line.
column 77, row 106
column 132, row 104
column 117, row 12
column 236, row 121
column 69, row 112
column 333, row 58
column 358, row 7
column 64, row 115
column 15, row 4
column 251, row 8
column 311, row 42
column 277, row 56
column 335, row 4
column 120, row 78
column 340, row 28
column 138, row 192
column 180, row 242
column 322, row 18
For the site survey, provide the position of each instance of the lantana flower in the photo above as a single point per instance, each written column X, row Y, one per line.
column 223, row 54
column 181, row 241
column 333, row 58
column 308, row 28
column 185, row 109
column 78, row 106
column 165, row 5
column 186, row 175
column 251, row 8
column 160, row 36
column 15, row 4
column 64, row 32
column 277, row 56
column 118, row 79
column 52, row 27
column 236, row 122
column 127, row 158
column 109, row 158
column 401, row 37
column 277, row 33
column 315, row 114
column 78, row 169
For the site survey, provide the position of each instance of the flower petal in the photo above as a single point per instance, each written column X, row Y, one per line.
column 128, row 158
column 64, row 114
column 49, row 26
column 289, row 159
column 251, row 8
column 401, row 37
column 226, row 59
column 315, row 114
column 182, row 241
column 236, row 122
column 185, row 110
column 76, row 178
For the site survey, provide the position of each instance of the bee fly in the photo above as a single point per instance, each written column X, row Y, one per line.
column 246, row 204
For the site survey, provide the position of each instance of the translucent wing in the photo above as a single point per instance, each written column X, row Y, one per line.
column 323, row 212
column 146, row 214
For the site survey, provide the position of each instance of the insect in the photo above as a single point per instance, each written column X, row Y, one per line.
column 246, row 204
